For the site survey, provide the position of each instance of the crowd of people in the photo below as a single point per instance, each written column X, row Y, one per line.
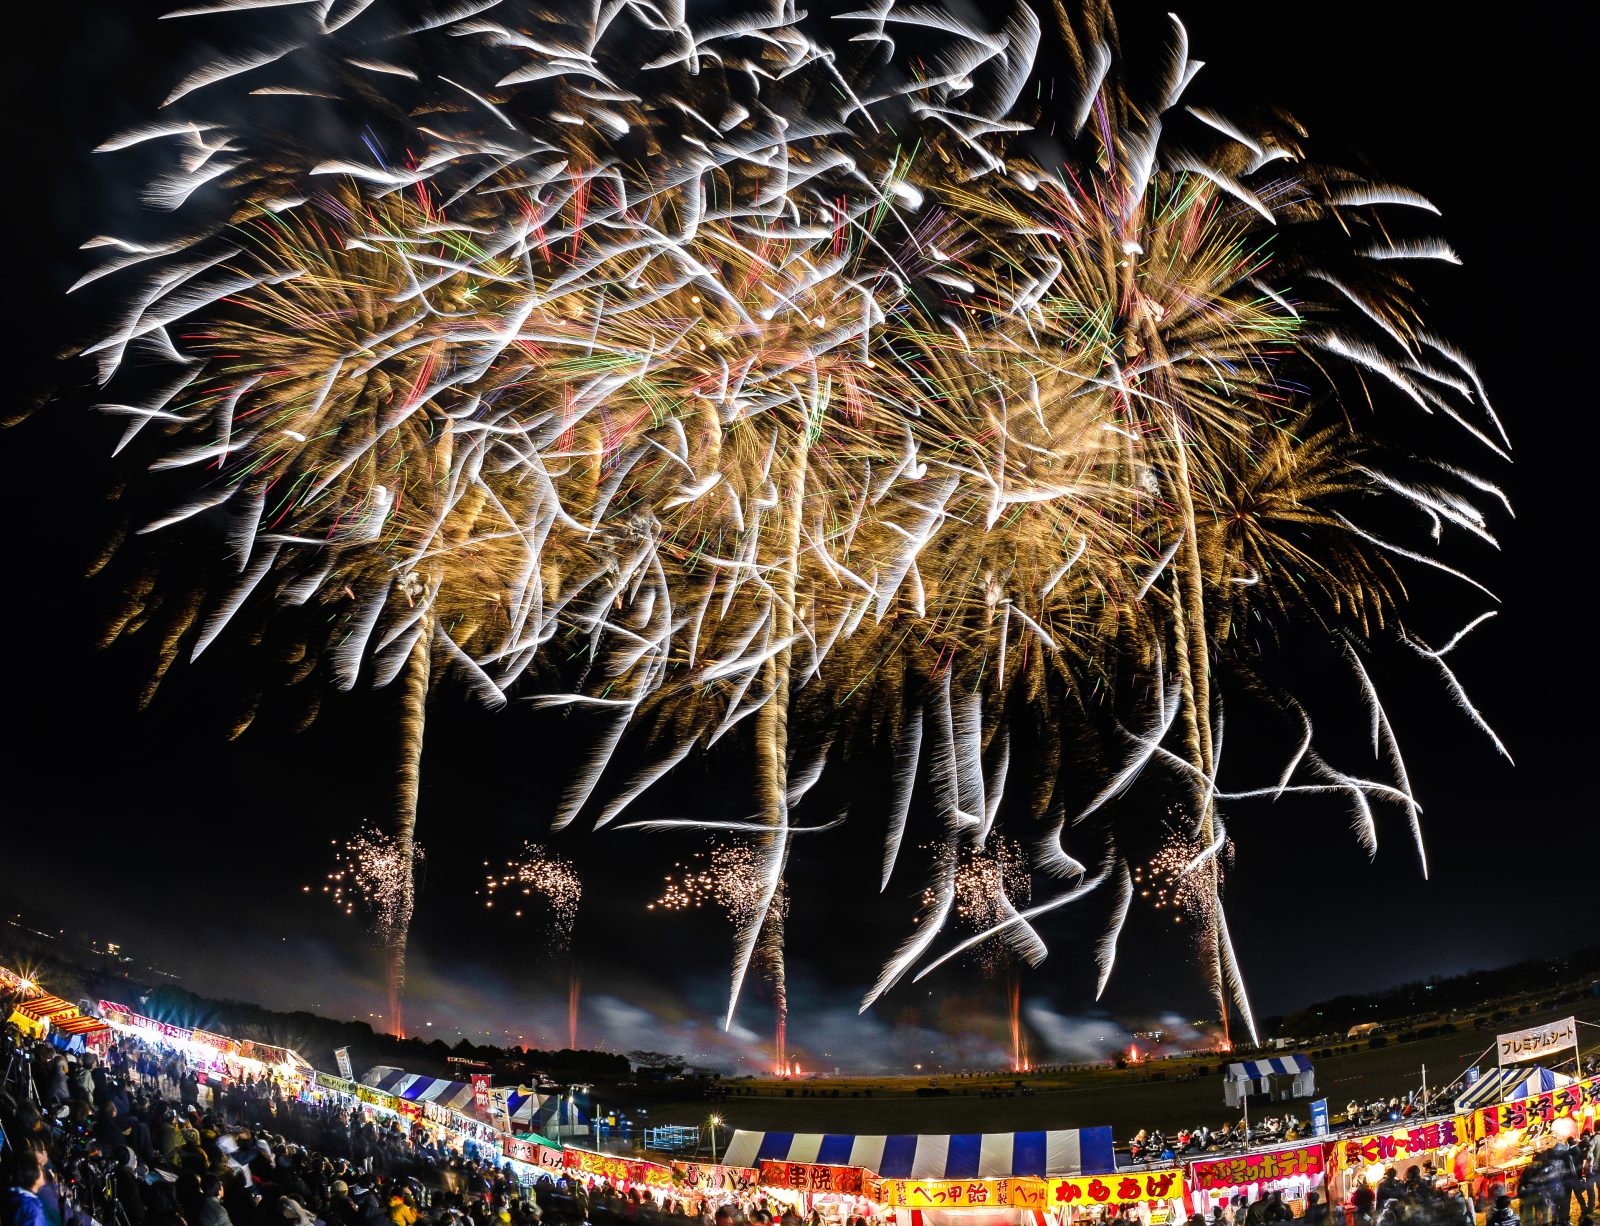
column 136, row 1140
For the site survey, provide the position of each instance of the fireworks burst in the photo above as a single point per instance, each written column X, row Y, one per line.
column 1169, row 882
column 373, row 879
column 755, row 383
column 537, row 870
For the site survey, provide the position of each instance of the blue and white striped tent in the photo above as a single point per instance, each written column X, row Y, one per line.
column 1246, row 1076
column 419, row 1089
column 970, row 1155
column 1275, row 1066
column 1505, row 1084
column 531, row 1111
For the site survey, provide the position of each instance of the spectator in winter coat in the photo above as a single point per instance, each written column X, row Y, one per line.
column 20, row 1204
column 1502, row 1214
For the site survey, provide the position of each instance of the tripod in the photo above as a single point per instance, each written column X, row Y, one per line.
column 19, row 1069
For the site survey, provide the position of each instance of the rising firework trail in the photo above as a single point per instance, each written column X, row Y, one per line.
column 804, row 385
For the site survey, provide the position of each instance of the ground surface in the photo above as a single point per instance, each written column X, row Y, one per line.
column 1126, row 1099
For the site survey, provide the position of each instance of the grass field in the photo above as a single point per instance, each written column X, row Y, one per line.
column 1126, row 1099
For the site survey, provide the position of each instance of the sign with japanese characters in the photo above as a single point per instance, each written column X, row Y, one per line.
column 336, row 1085
column 342, row 1055
column 481, row 1084
column 609, row 1166
column 531, row 1152
column 1236, row 1172
column 1537, row 1042
column 964, row 1193
column 812, row 1177
column 706, row 1177
column 1569, row 1102
column 1384, row 1148
column 1129, row 1189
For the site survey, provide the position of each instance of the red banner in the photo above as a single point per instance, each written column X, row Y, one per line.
column 608, row 1166
column 1236, row 1172
column 480, row 1092
column 705, row 1177
column 812, row 1177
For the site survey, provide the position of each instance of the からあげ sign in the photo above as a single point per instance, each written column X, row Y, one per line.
column 1130, row 1189
column 1243, row 1169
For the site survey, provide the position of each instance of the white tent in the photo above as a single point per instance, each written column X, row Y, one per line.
column 1256, row 1077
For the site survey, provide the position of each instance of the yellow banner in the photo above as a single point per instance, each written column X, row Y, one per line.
column 1400, row 1144
column 1132, row 1188
column 965, row 1193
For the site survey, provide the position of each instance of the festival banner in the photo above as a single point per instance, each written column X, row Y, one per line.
column 706, row 1177
column 1537, row 1042
column 376, row 1097
column 1020, row 1193
column 812, row 1177
column 1386, row 1147
column 342, row 1055
column 1569, row 1102
column 532, row 1152
column 409, row 1109
column 609, row 1166
column 1243, row 1169
column 1129, row 1189
column 338, row 1085
column 481, row 1083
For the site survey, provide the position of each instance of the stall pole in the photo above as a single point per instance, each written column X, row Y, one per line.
column 1424, row 1091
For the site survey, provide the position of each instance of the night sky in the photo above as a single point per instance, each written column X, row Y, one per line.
column 152, row 830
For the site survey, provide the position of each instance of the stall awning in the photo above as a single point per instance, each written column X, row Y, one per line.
column 971, row 1155
column 529, row 1109
column 413, row 1087
column 62, row 1015
column 1503, row 1084
column 1276, row 1066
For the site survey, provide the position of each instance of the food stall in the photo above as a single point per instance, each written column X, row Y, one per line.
column 216, row 1058
column 961, row 1179
column 1140, row 1198
column 1366, row 1156
column 1241, row 1179
column 837, row 1192
column 1508, row 1134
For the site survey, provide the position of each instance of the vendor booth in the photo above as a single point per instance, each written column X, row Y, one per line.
column 1509, row 1134
column 971, row 1155
column 1365, row 1157
column 1242, row 1179
column 60, row 1021
column 1280, row 1077
column 1510, row 1082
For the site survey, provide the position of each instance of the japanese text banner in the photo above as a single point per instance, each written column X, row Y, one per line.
column 1569, row 1102
column 607, row 1166
column 964, row 1193
column 812, row 1177
column 1236, row 1172
column 1127, row 1189
column 1402, row 1143
column 706, row 1177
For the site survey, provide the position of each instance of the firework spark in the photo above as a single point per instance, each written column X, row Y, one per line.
column 372, row 880
column 758, row 383
column 538, row 871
